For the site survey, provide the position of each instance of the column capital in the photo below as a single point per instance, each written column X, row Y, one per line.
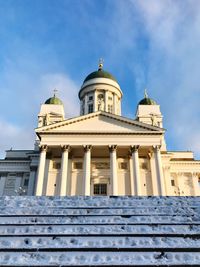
column 134, row 149
column 87, row 148
column 112, row 148
column 156, row 148
column 65, row 148
column 43, row 148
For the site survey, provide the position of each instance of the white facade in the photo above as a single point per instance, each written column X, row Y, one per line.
column 100, row 152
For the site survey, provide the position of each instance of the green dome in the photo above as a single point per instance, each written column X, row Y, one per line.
column 54, row 101
column 147, row 101
column 99, row 74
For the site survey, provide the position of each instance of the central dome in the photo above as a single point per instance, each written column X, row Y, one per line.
column 100, row 73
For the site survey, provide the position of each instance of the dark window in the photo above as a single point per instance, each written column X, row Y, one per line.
column 56, row 165
column 123, row 165
column 100, row 189
column 90, row 108
column 26, row 180
column 78, row 165
column 172, row 183
column 90, row 97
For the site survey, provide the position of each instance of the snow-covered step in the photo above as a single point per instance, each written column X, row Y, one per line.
column 157, row 258
column 121, row 219
column 149, row 211
column 99, row 230
column 81, row 201
column 99, row 243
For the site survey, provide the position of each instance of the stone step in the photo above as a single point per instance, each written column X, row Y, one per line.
column 94, row 243
column 99, row 229
column 149, row 211
column 121, row 219
column 109, row 201
column 104, row 258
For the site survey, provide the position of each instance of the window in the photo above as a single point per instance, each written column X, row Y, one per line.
column 172, row 183
column 144, row 166
column 110, row 108
column 56, row 165
column 78, row 165
column 90, row 98
column 101, row 165
column 110, row 98
column 90, row 108
column 100, row 96
column 26, row 180
column 100, row 189
column 123, row 165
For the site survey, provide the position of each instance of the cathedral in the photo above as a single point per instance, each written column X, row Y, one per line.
column 100, row 152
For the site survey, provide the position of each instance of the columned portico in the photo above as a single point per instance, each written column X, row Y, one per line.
column 64, row 170
column 136, row 170
column 159, row 171
column 41, row 169
column 113, row 169
column 87, row 169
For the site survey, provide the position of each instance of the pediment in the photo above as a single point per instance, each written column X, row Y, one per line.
column 99, row 122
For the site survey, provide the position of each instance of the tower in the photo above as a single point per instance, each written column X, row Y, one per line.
column 100, row 91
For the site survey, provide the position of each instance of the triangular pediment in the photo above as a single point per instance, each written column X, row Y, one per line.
column 100, row 122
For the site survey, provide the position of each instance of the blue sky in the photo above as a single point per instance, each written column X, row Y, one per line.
column 57, row 43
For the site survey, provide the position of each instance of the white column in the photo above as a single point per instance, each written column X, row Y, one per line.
column 106, row 101
column 30, row 191
column 195, row 184
column 41, row 169
column 86, row 169
column 2, row 184
column 113, row 169
column 136, row 170
column 131, row 176
column 153, row 174
column 159, row 171
column 95, row 101
column 114, row 103
column 86, row 105
column 64, row 170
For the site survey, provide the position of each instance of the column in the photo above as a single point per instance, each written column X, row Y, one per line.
column 86, row 105
column 195, row 184
column 106, row 101
column 153, row 174
column 131, row 176
column 41, row 169
column 2, row 184
column 159, row 171
column 136, row 170
column 30, row 191
column 114, row 103
column 64, row 170
column 95, row 101
column 86, row 169
column 113, row 169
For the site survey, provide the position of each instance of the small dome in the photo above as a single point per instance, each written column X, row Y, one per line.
column 147, row 100
column 54, row 101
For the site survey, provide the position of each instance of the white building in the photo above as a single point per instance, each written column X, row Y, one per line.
column 100, row 152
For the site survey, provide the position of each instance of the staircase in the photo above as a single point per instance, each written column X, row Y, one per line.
column 100, row 231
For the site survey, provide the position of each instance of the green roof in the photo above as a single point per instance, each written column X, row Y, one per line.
column 147, row 101
column 54, row 101
column 99, row 74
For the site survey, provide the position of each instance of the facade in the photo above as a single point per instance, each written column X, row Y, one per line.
column 100, row 152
